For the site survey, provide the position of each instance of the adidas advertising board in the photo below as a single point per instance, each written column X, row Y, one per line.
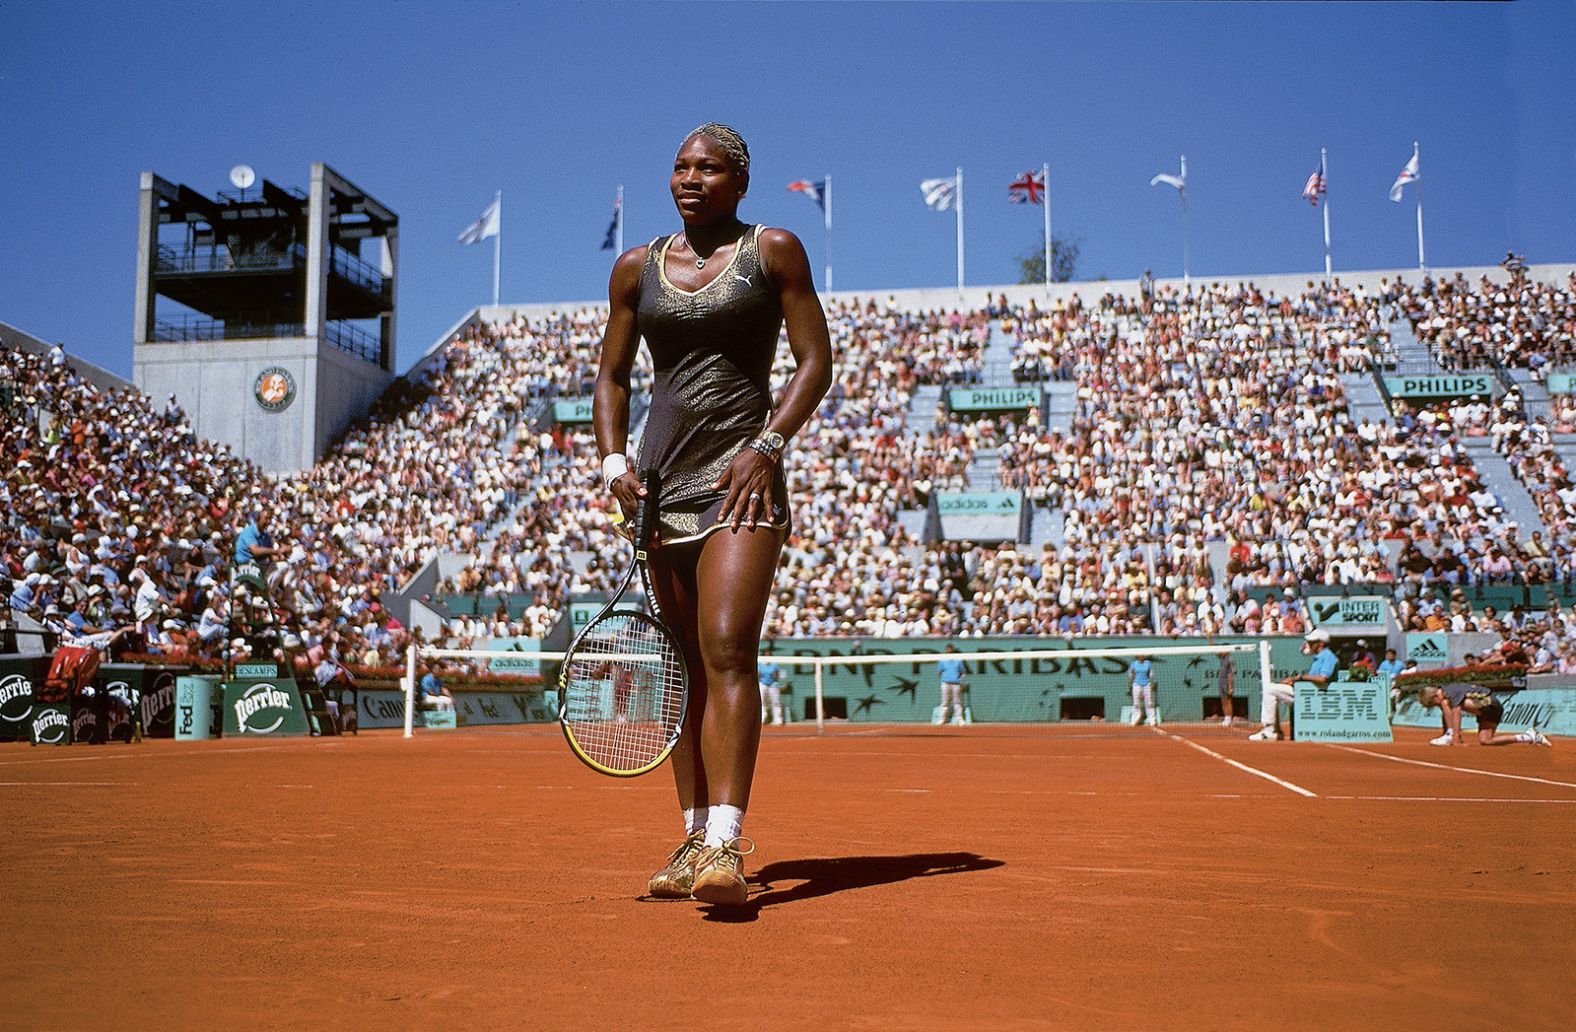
column 1428, row 648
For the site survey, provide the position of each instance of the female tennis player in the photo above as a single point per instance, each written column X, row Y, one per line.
column 710, row 302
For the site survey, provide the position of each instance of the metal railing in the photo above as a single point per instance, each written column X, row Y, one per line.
column 345, row 265
column 192, row 328
column 363, row 274
column 173, row 261
column 354, row 340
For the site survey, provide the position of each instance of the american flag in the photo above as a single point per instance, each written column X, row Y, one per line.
column 1028, row 188
column 1314, row 187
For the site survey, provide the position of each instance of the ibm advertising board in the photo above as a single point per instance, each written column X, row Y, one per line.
column 1562, row 383
column 1343, row 711
column 1462, row 385
column 994, row 399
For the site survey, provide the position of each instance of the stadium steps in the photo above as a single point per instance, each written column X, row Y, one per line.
column 1565, row 448
column 922, row 409
column 1061, row 401
column 1046, row 527
column 913, row 521
column 1364, row 400
column 984, row 472
column 1534, row 395
column 1219, row 556
column 1498, row 478
column 997, row 359
column 1413, row 357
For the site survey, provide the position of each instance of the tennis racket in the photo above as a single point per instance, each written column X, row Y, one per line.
column 623, row 688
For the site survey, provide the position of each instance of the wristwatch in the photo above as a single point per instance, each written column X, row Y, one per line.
column 769, row 444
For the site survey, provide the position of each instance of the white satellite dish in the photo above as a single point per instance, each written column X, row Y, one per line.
column 242, row 176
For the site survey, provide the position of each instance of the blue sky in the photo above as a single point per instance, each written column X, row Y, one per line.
column 433, row 106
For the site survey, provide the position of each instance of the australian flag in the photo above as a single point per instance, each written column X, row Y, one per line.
column 609, row 242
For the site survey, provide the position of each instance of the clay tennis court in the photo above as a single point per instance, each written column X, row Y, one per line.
column 1089, row 877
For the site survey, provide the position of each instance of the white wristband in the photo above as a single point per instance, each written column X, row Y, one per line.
column 613, row 467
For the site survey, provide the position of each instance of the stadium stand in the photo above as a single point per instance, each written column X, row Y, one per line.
column 1205, row 457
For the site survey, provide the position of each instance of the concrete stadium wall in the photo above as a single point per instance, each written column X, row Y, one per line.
column 947, row 298
column 215, row 382
column 347, row 387
column 99, row 377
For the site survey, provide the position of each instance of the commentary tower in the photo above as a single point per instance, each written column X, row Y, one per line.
column 267, row 313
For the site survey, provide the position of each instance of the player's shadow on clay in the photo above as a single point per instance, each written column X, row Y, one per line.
column 823, row 876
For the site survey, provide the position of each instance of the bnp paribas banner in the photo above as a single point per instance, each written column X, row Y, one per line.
column 1049, row 688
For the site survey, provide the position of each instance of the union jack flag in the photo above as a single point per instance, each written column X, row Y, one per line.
column 1314, row 187
column 1028, row 188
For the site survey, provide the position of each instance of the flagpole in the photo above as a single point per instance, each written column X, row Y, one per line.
column 497, row 245
column 619, row 216
column 1422, row 265
column 826, row 241
column 1324, row 174
column 1185, row 278
column 1045, row 196
column 960, row 232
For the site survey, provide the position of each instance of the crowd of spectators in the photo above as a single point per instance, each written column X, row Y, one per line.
column 1210, row 468
column 1520, row 324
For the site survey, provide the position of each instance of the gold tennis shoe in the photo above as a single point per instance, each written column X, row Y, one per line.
column 719, row 873
column 676, row 879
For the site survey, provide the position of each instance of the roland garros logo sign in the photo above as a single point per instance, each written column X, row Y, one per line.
column 261, row 709
column 275, row 389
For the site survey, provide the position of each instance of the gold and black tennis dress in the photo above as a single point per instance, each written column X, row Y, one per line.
column 712, row 350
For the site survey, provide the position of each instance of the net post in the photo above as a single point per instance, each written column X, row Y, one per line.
column 410, row 687
column 1266, row 672
column 820, row 703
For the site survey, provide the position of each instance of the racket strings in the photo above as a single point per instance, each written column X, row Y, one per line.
column 623, row 692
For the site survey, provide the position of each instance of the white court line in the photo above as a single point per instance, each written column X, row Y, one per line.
column 1446, row 766
column 1242, row 766
column 69, row 784
column 1451, row 799
column 140, row 755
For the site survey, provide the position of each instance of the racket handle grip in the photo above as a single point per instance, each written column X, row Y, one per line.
column 651, row 480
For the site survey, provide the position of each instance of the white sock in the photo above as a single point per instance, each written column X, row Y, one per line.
column 695, row 820
column 723, row 824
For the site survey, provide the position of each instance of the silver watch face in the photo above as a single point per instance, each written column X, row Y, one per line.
column 773, row 439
